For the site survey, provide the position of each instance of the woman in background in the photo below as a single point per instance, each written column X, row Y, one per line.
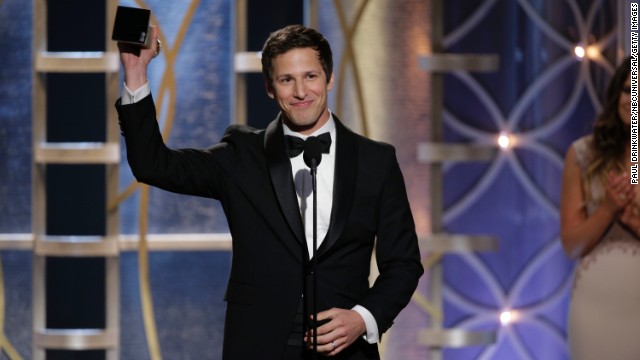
column 600, row 225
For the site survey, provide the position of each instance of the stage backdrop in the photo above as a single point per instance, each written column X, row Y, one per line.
column 15, row 166
column 541, row 99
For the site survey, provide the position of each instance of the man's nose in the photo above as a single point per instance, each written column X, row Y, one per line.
column 300, row 90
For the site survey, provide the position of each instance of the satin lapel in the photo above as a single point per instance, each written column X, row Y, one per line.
column 282, row 181
column 344, row 182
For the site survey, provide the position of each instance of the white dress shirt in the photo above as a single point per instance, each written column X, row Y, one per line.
column 324, row 182
column 324, row 186
column 130, row 97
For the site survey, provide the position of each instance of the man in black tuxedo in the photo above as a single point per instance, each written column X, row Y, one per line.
column 264, row 189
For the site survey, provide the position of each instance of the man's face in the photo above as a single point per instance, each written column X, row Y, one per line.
column 300, row 88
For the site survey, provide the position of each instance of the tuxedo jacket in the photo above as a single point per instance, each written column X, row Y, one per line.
column 249, row 172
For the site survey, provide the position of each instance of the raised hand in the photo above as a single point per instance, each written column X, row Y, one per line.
column 135, row 60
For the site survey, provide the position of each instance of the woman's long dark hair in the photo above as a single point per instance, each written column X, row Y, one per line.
column 610, row 133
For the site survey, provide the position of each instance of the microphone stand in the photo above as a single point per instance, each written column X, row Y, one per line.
column 314, row 260
column 312, row 157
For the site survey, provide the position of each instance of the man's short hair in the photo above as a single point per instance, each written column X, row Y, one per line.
column 295, row 37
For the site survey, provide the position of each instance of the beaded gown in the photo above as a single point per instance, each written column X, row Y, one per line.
column 604, row 312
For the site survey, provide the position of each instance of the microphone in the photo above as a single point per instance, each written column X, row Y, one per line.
column 312, row 152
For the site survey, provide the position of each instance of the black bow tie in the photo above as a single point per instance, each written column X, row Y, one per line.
column 295, row 145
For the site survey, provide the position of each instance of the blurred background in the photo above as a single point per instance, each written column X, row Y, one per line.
column 481, row 99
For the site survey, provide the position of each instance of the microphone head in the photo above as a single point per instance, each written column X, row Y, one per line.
column 312, row 152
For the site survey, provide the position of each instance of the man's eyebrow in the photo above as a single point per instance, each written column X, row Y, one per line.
column 304, row 73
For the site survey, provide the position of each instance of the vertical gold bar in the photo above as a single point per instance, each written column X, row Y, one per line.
column 240, row 36
column 435, row 171
column 311, row 13
column 112, row 263
column 39, row 101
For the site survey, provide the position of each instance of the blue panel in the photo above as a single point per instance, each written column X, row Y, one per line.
column 188, row 290
column 540, row 95
column 16, row 267
column 196, row 89
column 194, row 96
column 15, row 116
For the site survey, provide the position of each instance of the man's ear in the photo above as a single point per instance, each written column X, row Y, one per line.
column 330, row 83
column 269, row 88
